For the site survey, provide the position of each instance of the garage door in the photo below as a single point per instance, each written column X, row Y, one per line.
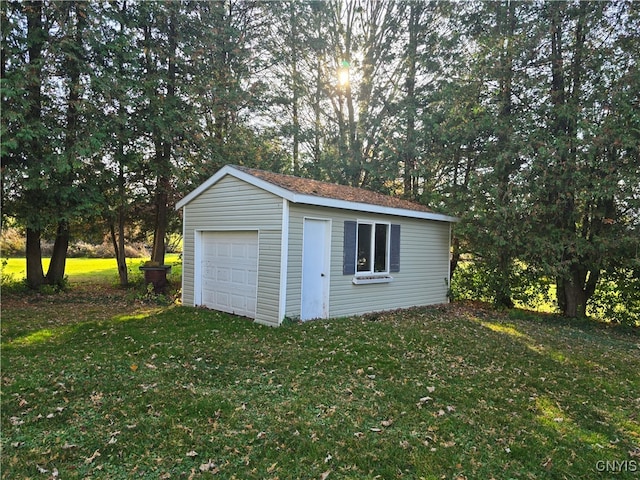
column 230, row 272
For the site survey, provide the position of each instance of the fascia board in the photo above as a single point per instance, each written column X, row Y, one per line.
column 229, row 170
column 366, row 207
column 311, row 199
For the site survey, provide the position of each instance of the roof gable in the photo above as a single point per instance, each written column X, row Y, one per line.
column 314, row 192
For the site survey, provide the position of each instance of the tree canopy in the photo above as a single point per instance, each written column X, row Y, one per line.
column 521, row 118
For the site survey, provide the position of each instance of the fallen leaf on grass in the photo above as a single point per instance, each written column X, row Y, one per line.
column 324, row 475
column 192, row 453
column 428, row 439
column 90, row 459
column 209, row 467
column 134, row 367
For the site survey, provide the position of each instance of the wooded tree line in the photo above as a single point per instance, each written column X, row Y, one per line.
column 521, row 118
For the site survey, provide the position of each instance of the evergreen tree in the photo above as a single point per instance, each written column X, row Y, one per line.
column 579, row 173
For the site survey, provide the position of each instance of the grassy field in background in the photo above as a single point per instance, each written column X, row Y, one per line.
column 90, row 270
column 99, row 384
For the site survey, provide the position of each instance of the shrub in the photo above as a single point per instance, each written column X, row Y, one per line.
column 12, row 243
column 617, row 296
column 137, row 250
column 473, row 280
column 469, row 283
column 82, row 249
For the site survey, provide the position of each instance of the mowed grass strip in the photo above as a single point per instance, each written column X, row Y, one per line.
column 90, row 270
column 124, row 391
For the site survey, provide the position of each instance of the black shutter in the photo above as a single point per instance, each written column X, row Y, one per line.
column 394, row 260
column 349, row 248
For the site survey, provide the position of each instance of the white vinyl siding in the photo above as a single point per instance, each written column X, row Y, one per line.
column 269, row 276
column 234, row 205
column 424, row 264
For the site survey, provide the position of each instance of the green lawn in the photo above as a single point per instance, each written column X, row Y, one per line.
column 97, row 385
column 89, row 270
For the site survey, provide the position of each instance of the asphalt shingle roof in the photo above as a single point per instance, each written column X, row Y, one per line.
column 334, row 191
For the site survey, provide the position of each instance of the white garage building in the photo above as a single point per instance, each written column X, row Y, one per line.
column 269, row 246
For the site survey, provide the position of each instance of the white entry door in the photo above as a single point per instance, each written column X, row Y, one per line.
column 229, row 272
column 316, row 254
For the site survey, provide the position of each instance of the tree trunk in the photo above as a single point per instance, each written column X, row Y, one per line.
column 55, row 273
column 163, row 153
column 575, row 293
column 503, row 290
column 119, row 249
column 35, row 41
column 575, row 297
column 317, row 126
column 157, row 255
column 455, row 256
column 575, row 287
column 295, row 88
column 164, row 146
column 410, row 189
column 35, row 274
column 118, row 239
column 575, row 302
column 119, row 246
column 505, row 164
